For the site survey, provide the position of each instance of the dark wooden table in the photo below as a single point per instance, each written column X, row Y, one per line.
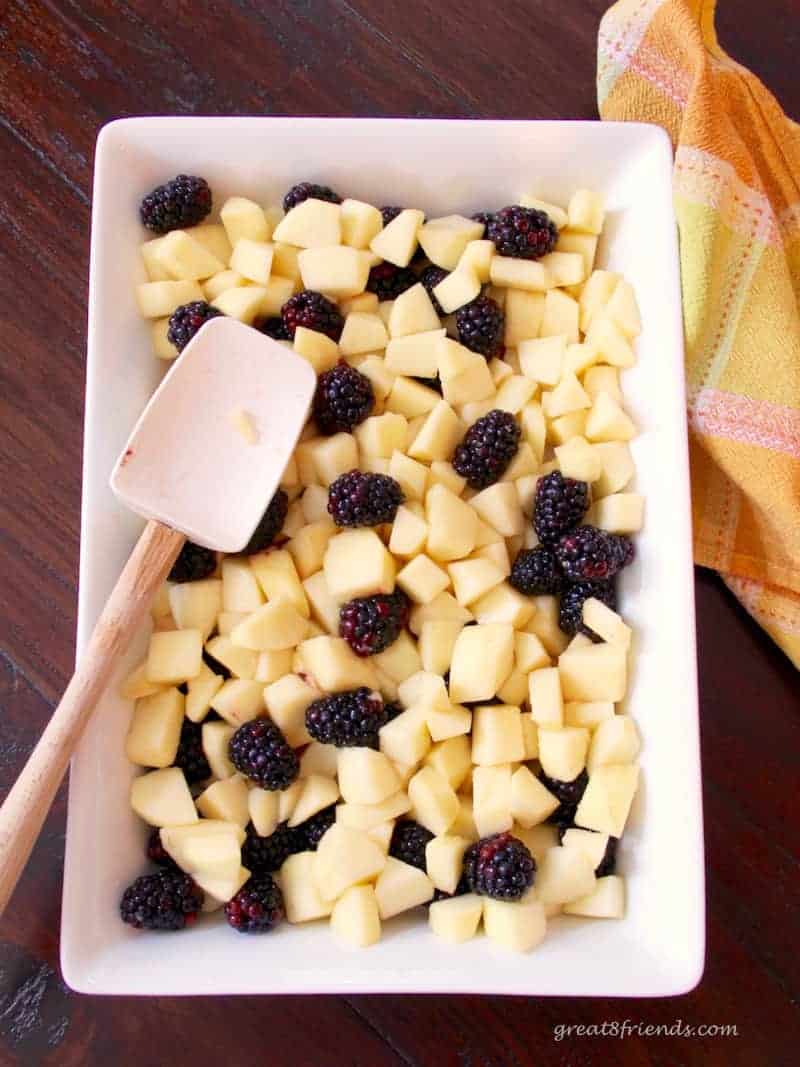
column 67, row 67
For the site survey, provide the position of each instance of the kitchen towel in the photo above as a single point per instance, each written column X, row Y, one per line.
column 737, row 200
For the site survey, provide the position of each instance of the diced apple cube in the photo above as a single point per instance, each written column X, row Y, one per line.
column 615, row 740
column 368, row 816
column 414, row 355
column 545, row 624
column 496, row 553
column 557, row 214
column 320, row 350
column 547, row 705
column 174, row 656
column 409, row 533
column 621, row 513
column 324, row 608
column 562, row 429
column 578, row 358
column 425, row 690
column 334, row 666
column 435, row 804
column 240, row 591
column 568, row 396
column 358, row 564
column 597, row 672
column 606, row 901
column 541, row 359
column 528, row 274
column 452, row 525
column 286, row 701
column 287, row 800
column 451, row 758
column 338, row 271
column 472, row 578
column 359, row 222
column 617, row 467
column 241, row 662
column 585, row 211
column 345, row 857
column 136, row 684
column 311, row 224
column 503, row 604
column 154, row 268
column 184, row 258
column 534, row 429
column 309, row 545
column 443, row 724
column 465, row 375
column 564, row 874
column 264, row 808
column 512, row 396
column 607, row 800
column 284, row 261
column 560, row 317
column 590, row 843
column 436, row 642
column 562, row 752
column 605, row 622
column 185, row 845
column 410, row 398
column 400, row 887
column 523, row 312
column 397, row 242
column 363, row 332
column 497, row 735
column 443, row 861
column 499, row 506
column 491, row 799
column 381, row 435
column 157, row 300
column 529, row 653
column 155, row 729
column 443, row 473
column 275, row 626
column 565, row 268
column 242, row 303
column 301, row 896
column 477, row 258
column 367, row 302
column 163, row 348
column 531, row 802
column 400, row 660
column 595, row 296
column 244, row 218
column 253, row 259
column 623, row 310
column 314, row 502
column 226, row 800
column 518, row 925
column 412, row 313
column 514, row 689
column 196, row 605
column 457, row 289
column 440, row 432
column 319, row 759
column 355, row 918
column 239, row 700
column 317, row 792
column 456, row 919
column 585, row 244
column 333, row 456
column 422, row 580
column 609, row 343
column 277, row 575
column 444, row 240
column 587, row 713
column 578, row 459
column 443, row 607
column 366, row 776
column 483, row 658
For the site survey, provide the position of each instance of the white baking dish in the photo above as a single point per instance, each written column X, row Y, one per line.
column 440, row 166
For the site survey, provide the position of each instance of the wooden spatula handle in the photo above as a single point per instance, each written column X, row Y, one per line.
column 26, row 806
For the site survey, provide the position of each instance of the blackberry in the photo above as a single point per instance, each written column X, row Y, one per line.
column 347, row 719
column 569, row 795
column 260, row 751
column 275, row 328
column 500, row 867
column 488, row 447
column 309, row 191
column 589, row 554
column 314, row 311
column 480, row 325
column 269, row 525
column 156, row 852
column 522, row 232
column 184, row 201
column 193, row 563
column 388, row 281
column 262, row 855
column 608, row 864
column 560, row 505
column 390, row 213
column 484, row 217
column 311, row 832
column 186, row 320
column 430, row 278
column 393, row 708
column 369, row 624
column 343, row 399
column 358, row 499
column 535, row 572
column 573, row 595
column 408, row 842
column 166, row 900
column 190, row 756
column 257, row 907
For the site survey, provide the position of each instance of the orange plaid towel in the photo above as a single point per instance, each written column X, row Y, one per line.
column 737, row 199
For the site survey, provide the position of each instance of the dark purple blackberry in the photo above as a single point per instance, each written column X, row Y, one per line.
column 193, row 563
column 311, row 832
column 260, row 751
column 560, row 505
column 262, row 855
column 257, row 907
column 480, row 325
column 488, row 447
column 359, row 499
column 343, row 398
column 369, row 624
column 186, row 320
column 184, row 201
column 535, row 572
column 430, row 278
column 156, row 852
column 166, row 900
column 591, row 555
column 313, row 311
column 484, row 217
column 275, row 328
column 347, row 719
column 393, row 708
column 569, row 795
column 573, row 595
column 270, row 524
column 408, row 842
column 309, row 191
column 388, row 281
column 390, row 213
column 522, row 232
column 500, row 867
column 190, row 756
column 608, row 864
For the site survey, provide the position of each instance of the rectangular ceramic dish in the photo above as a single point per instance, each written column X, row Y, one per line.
column 440, row 166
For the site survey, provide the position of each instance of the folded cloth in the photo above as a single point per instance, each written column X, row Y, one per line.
column 737, row 199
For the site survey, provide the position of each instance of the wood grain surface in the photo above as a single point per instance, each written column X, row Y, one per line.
column 67, row 67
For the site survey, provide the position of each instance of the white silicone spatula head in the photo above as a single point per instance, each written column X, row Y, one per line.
column 187, row 464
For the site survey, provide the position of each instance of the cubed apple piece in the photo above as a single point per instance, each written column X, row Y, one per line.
column 529, row 653
column 456, row 920
column 241, row 662
column 607, row 799
column 585, row 211
column 564, row 874
column 477, row 258
column 406, row 738
column 162, row 798
column 366, row 776
column 568, row 396
column 615, row 740
column 483, row 657
column 400, row 660
column 318, row 349
column 609, row 343
column 444, row 240
column 470, row 386
column 534, row 428
column 606, row 623
column 136, row 685
column 381, row 435
column 562, row 752
column 436, row 642
column 196, row 605
column 277, row 575
column 457, row 289
column 561, row 314
column 621, row 513
column 157, row 300
column 578, row 459
column 444, row 723
column 275, row 293
column 435, row 803
column 528, row 274
column 317, row 792
column 309, row 545
column 565, row 268
column 339, row 271
column 443, row 473
column 596, row 672
column 363, row 332
column 239, row 700
column 226, row 800
column 217, row 284
column 357, row 563
column 253, row 259
column 287, row 800
column 163, row 348
column 264, row 808
column 444, row 607
column 301, row 895
column 452, row 525
column 546, row 700
column 531, row 802
column 497, row 735
column 617, row 467
column 274, row 626
column 518, row 925
column 473, row 578
column 240, row 590
column 439, row 434
column 184, row 258
column 408, row 537
column 584, row 244
column 623, row 310
column 174, row 656
column 595, row 295
column 334, row 667
column 243, row 304
column 412, row 313
column 155, row 729
column 286, row 701
column 244, row 218
column 209, row 847
column 425, row 690
column 369, row 816
column 414, row 355
column 587, row 713
column 311, row 224
column 605, row 901
column 514, row 689
column 400, row 887
column 355, row 918
column 512, row 396
column 422, row 580
column 541, row 359
column 360, row 222
column 154, row 268
column 503, row 604
column 491, row 799
column 345, row 857
column 397, row 242
column 324, row 608
column 333, row 456
column 544, row 624
column 315, row 505
column 523, row 312
column 410, row 398
column 557, row 215
column 220, row 889
column 452, row 759
column 592, row 844
column 499, row 506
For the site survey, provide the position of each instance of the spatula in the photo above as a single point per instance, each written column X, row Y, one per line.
column 203, row 462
